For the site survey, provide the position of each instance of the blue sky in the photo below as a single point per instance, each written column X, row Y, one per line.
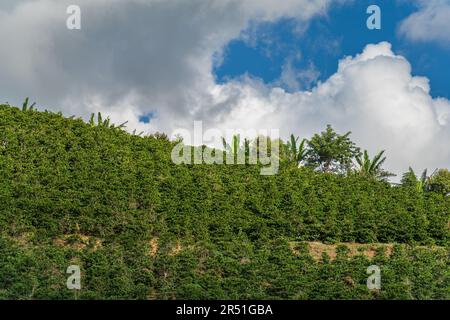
column 325, row 40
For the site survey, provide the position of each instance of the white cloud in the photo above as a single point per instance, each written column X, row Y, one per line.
column 372, row 94
column 151, row 55
column 295, row 79
column 133, row 57
column 430, row 23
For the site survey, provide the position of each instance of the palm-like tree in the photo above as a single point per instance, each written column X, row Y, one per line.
column 105, row 123
column 26, row 107
column 372, row 167
column 234, row 146
column 296, row 152
column 422, row 183
column 237, row 151
column 411, row 180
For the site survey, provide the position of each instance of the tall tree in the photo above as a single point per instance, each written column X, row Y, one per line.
column 440, row 182
column 331, row 152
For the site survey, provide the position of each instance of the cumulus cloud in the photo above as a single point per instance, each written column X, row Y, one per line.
column 373, row 94
column 138, row 55
column 295, row 79
column 133, row 57
column 430, row 23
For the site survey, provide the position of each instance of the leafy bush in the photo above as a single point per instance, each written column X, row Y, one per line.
column 142, row 227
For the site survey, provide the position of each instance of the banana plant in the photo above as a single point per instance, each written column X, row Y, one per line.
column 247, row 147
column 135, row 133
column 421, row 184
column 105, row 123
column 235, row 148
column 410, row 179
column 372, row 167
column 296, row 152
column 25, row 106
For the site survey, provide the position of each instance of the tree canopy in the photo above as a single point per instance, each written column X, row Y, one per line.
column 331, row 152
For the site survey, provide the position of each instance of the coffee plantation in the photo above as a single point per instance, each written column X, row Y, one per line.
column 141, row 227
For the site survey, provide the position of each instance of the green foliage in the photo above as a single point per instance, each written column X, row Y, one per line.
column 372, row 168
column 410, row 180
column 105, row 123
column 25, row 106
column 440, row 182
column 331, row 152
column 296, row 151
column 234, row 148
column 142, row 227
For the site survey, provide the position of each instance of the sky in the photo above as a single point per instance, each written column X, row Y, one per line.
column 292, row 65
column 278, row 45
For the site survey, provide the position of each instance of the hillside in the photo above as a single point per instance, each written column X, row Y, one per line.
column 141, row 227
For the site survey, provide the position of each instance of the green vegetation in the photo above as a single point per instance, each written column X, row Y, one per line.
column 296, row 152
column 141, row 227
column 440, row 182
column 372, row 168
column 331, row 152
